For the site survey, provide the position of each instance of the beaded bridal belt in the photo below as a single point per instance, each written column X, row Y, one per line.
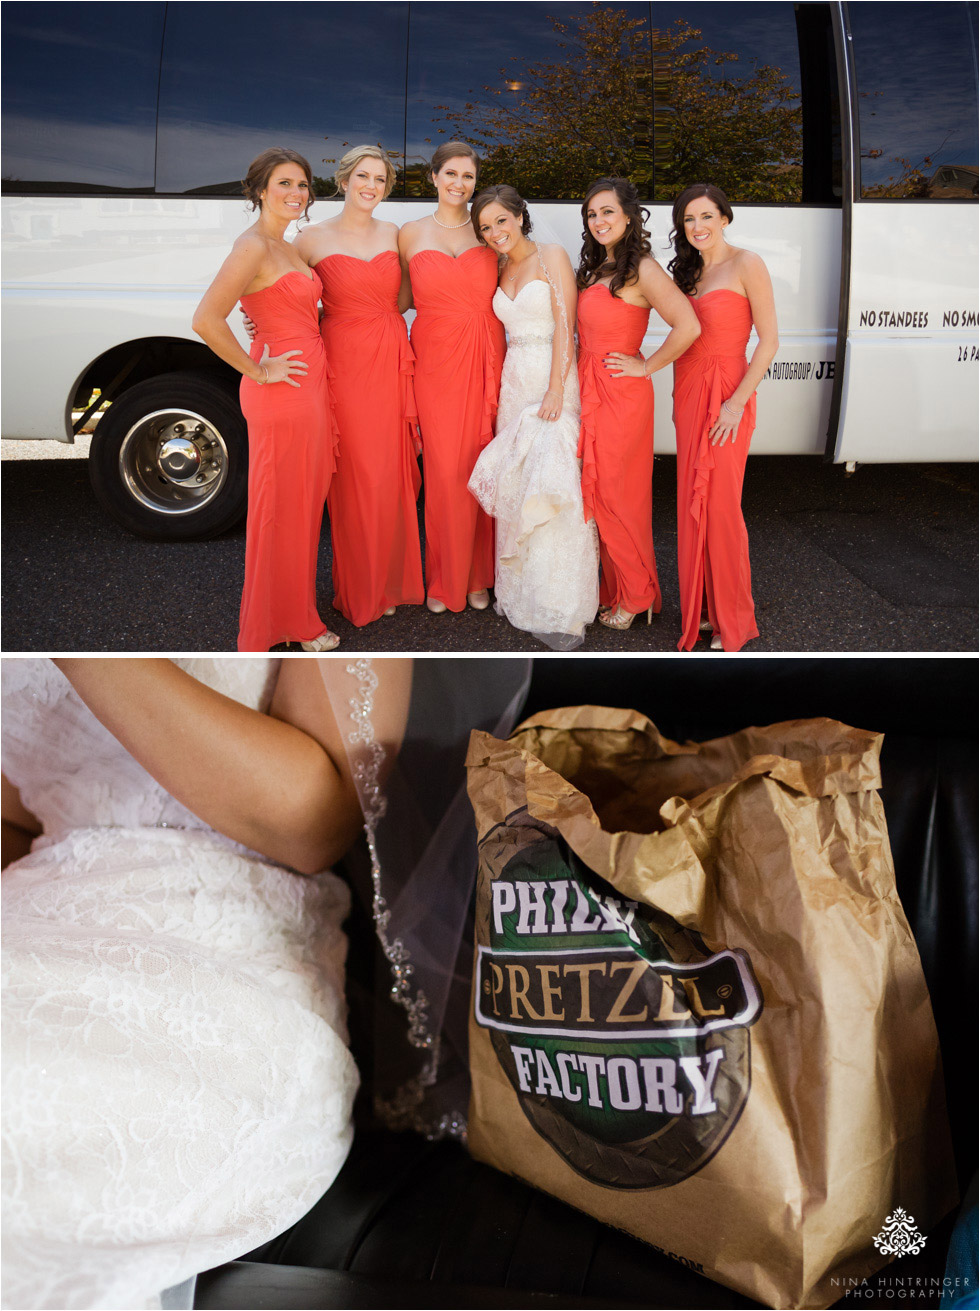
column 524, row 340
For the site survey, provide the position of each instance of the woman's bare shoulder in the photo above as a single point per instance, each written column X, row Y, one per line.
column 323, row 225
column 314, row 237
column 747, row 261
column 554, row 255
column 251, row 242
column 649, row 266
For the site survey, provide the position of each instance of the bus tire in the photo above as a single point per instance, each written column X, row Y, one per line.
column 169, row 458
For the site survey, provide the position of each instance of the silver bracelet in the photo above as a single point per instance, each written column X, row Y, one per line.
column 737, row 413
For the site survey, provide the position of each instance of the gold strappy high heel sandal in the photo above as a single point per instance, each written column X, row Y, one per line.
column 622, row 620
column 325, row 642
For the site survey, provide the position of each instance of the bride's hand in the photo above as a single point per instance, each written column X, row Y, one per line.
column 551, row 405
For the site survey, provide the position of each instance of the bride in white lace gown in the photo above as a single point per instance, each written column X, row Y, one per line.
column 177, row 1084
column 528, row 478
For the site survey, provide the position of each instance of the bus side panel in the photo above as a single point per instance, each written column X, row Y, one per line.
column 36, row 371
column 84, row 274
column 910, row 372
column 51, row 337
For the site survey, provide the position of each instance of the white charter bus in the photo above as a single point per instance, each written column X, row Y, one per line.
column 845, row 135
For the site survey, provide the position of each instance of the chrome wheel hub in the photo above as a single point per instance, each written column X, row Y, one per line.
column 173, row 461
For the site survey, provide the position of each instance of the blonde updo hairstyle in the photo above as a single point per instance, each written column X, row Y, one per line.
column 262, row 167
column 350, row 161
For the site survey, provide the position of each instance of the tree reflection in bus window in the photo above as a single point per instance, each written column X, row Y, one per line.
column 79, row 96
column 728, row 105
column 916, row 73
column 556, row 95
column 317, row 78
column 552, row 95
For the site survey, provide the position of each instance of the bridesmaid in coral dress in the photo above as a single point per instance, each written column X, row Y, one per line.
column 459, row 351
column 286, row 403
column 619, row 283
column 714, row 401
column 377, row 557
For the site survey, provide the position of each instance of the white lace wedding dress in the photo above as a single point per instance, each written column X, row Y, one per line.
column 547, row 557
column 176, row 1083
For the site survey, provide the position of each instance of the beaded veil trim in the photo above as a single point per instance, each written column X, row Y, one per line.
column 404, row 1110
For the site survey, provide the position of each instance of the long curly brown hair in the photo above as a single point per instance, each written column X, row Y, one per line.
column 687, row 265
column 594, row 261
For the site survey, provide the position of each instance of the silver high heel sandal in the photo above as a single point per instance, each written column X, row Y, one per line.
column 437, row 607
column 478, row 600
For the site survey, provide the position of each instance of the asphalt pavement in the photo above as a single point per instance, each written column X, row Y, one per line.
column 884, row 560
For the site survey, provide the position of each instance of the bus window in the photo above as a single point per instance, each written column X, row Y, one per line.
column 552, row 96
column 728, row 100
column 316, row 78
column 79, row 97
column 916, row 76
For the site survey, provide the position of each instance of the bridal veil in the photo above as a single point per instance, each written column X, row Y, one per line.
column 421, row 843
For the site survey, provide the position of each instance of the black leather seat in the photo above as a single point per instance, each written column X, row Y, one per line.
column 410, row 1223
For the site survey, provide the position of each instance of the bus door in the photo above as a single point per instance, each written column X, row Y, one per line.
column 908, row 387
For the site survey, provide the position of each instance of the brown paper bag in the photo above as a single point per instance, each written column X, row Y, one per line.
column 698, row 1010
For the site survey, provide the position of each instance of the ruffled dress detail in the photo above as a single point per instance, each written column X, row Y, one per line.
column 292, row 452
column 377, row 555
column 616, row 450
column 459, row 353
column 547, row 560
column 712, row 543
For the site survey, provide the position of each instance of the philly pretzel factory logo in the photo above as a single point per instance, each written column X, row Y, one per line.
column 625, row 1040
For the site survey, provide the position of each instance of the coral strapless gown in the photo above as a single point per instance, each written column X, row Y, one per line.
column 459, row 353
column 377, row 557
column 616, row 450
column 712, row 544
column 291, row 456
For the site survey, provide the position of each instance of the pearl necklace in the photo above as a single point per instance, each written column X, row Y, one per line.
column 451, row 226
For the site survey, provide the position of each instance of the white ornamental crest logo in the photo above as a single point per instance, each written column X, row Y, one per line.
column 899, row 1236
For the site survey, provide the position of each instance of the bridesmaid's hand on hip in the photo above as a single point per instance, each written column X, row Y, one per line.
column 280, row 368
column 619, row 365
